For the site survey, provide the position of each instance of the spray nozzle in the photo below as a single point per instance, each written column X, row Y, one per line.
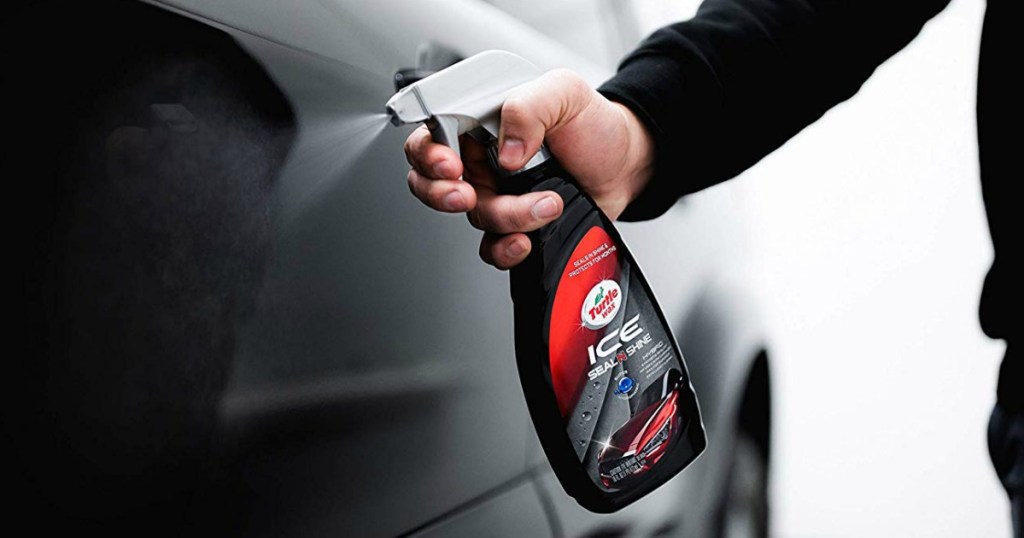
column 464, row 98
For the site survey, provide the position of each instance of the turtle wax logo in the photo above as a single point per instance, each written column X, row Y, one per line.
column 601, row 304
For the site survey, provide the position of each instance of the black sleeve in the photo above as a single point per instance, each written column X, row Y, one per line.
column 726, row 88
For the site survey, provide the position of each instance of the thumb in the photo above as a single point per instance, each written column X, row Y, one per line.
column 536, row 108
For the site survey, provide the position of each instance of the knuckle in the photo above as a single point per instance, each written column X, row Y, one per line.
column 414, row 145
column 561, row 73
column 515, row 109
column 572, row 90
column 410, row 179
column 408, row 152
column 474, row 219
column 515, row 219
column 413, row 141
column 485, row 250
column 429, row 195
column 489, row 250
column 568, row 79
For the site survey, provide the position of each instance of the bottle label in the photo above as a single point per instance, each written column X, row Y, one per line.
column 616, row 373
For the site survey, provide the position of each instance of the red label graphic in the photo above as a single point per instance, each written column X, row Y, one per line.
column 595, row 259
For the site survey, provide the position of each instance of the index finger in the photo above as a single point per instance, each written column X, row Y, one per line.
column 430, row 159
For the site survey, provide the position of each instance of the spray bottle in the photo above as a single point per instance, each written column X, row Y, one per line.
column 604, row 380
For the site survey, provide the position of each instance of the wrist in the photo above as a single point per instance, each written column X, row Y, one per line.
column 638, row 167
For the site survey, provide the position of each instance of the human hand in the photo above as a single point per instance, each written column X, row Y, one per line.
column 600, row 142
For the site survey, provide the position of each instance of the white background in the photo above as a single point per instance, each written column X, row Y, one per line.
column 871, row 246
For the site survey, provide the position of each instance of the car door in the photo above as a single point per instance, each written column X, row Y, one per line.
column 374, row 390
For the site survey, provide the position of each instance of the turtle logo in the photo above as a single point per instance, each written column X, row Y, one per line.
column 601, row 304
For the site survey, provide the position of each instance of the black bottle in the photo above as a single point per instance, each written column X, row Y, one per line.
column 604, row 379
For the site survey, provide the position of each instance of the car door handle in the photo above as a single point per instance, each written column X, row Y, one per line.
column 431, row 57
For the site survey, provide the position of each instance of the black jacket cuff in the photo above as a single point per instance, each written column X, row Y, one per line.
column 675, row 100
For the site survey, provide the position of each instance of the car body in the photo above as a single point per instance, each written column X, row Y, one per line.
column 354, row 370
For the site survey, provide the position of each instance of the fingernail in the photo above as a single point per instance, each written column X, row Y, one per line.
column 545, row 208
column 511, row 153
column 454, row 201
column 515, row 249
column 443, row 170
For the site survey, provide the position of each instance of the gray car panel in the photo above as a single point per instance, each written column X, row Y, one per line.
column 365, row 375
